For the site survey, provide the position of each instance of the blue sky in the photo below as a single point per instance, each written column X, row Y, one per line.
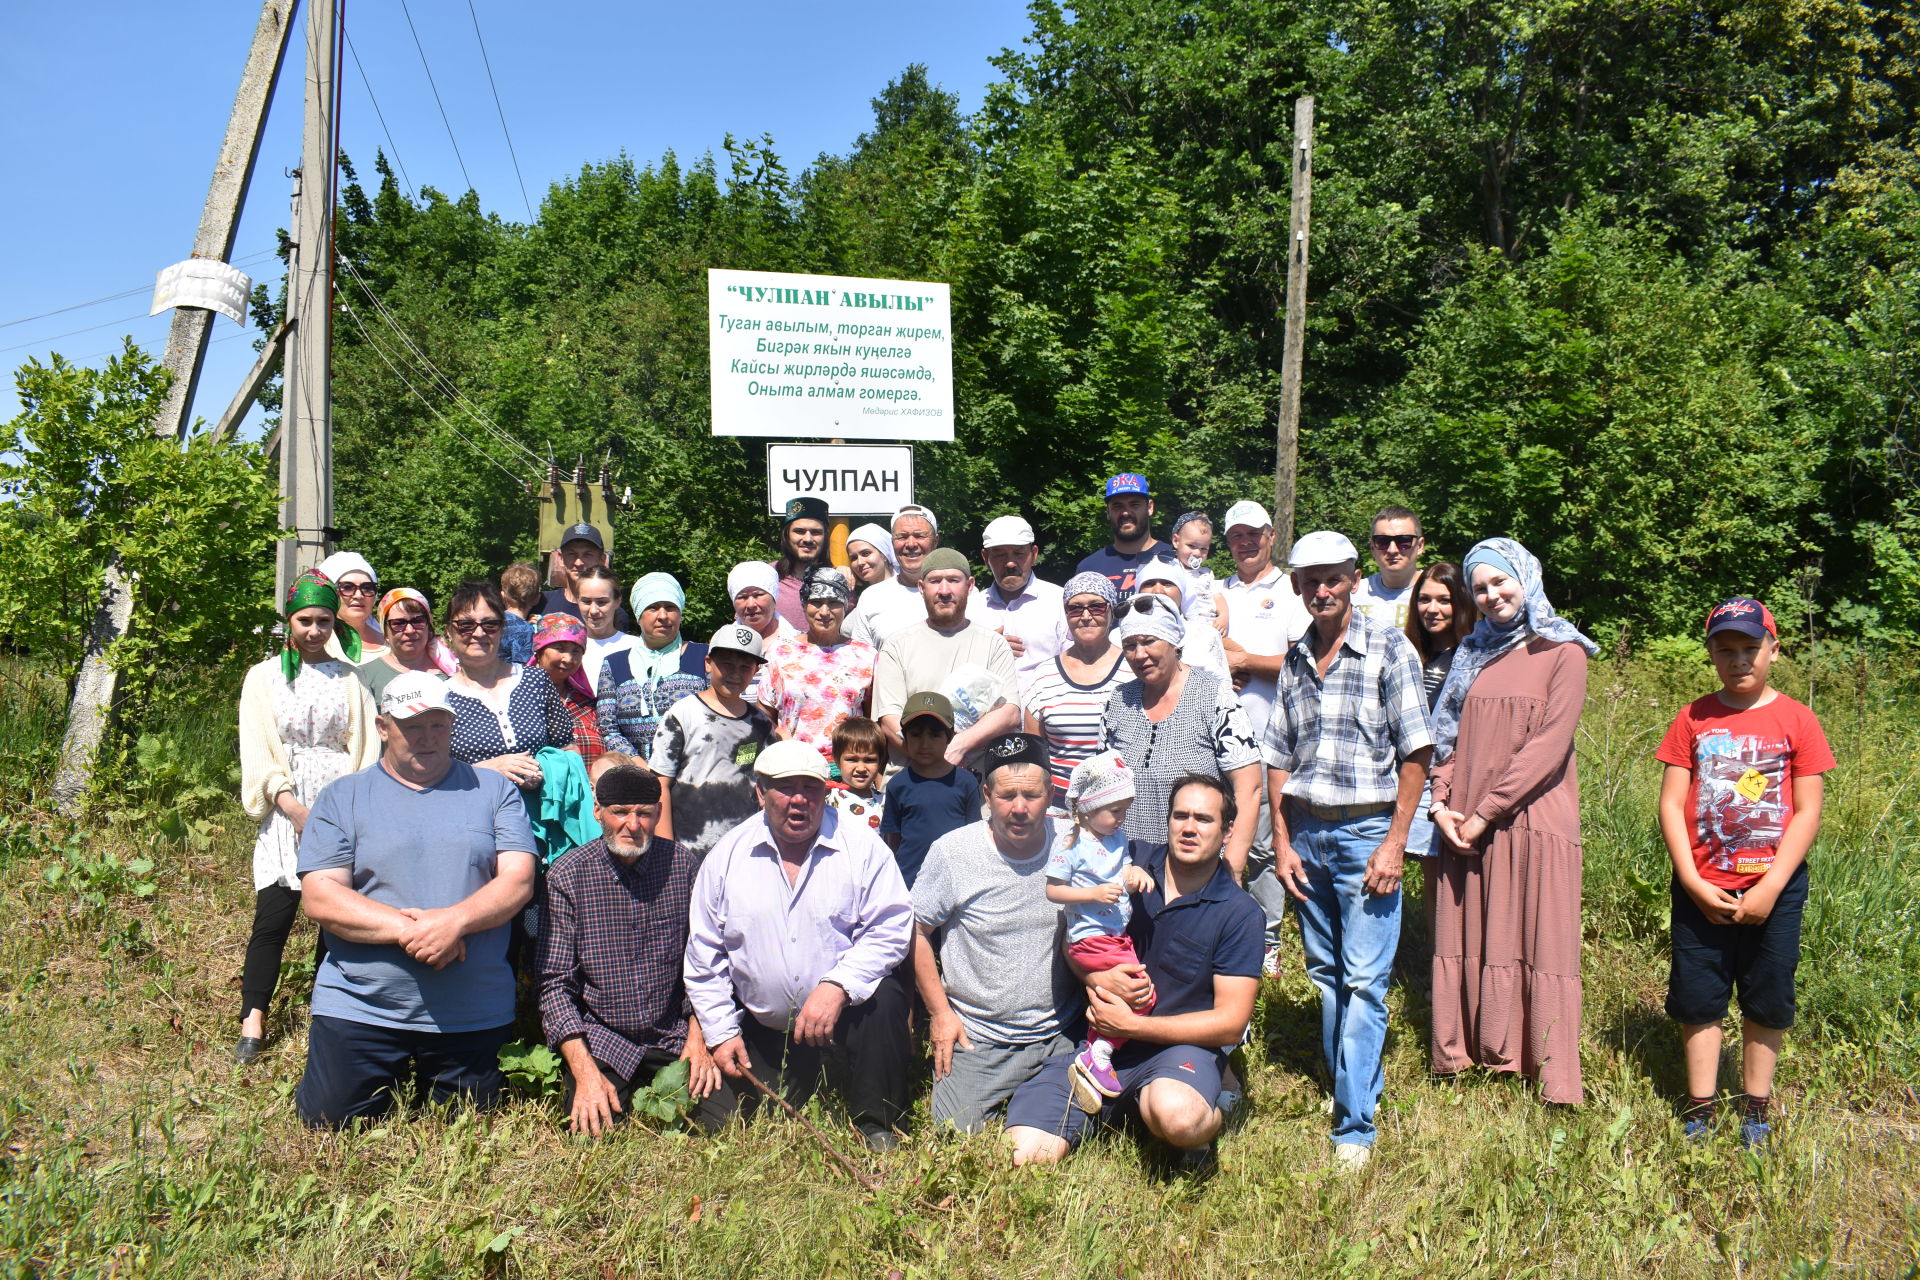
column 111, row 115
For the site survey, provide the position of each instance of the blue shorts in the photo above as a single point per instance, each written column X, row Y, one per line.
column 1046, row 1101
column 1711, row 961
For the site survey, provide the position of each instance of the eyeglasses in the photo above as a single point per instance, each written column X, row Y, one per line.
column 409, row 624
column 469, row 627
column 1386, row 541
column 1147, row 603
column 358, row 588
column 1098, row 609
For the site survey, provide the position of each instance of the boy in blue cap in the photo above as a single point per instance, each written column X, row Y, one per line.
column 1739, row 808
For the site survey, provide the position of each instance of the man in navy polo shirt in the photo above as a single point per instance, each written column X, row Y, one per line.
column 1130, row 516
column 1200, row 938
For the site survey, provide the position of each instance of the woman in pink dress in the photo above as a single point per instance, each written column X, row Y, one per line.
column 814, row 681
column 1506, row 801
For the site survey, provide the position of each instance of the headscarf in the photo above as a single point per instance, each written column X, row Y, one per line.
column 752, row 574
column 879, row 539
column 1092, row 584
column 1100, row 780
column 1159, row 617
column 656, row 588
column 442, row 656
column 341, row 563
column 564, row 628
column 823, row 582
column 1490, row 639
column 313, row 590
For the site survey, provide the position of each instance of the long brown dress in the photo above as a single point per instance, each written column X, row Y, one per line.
column 1506, row 925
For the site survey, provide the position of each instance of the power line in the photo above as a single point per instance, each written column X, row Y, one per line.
column 367, row 334
column 436, row 377
column 105, row 324
column 379, row 115
column 436, row 93
column 111, row 297
column 488, row 64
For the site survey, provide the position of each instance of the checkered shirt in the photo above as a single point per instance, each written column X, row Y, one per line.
column 611, row 947
column 1342, row 739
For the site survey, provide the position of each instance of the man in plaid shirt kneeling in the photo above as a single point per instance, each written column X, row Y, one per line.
column 611, row 996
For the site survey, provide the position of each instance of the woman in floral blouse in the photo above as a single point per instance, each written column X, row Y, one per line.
column 813, row 682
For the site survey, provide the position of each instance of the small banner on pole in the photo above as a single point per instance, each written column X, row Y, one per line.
column 202, row 282
column 829, row 357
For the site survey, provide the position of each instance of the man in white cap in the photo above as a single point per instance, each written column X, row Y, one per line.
column 414, row 867
column 1023, row 608
column 886, row 607
column 800, row 929
column 1264, row 618
column 1347, row 749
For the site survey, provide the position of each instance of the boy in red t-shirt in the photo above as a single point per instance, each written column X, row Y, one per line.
column 1739, row 808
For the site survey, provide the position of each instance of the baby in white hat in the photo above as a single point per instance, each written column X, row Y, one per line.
column 1091, row 875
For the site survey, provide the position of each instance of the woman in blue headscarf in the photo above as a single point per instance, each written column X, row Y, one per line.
column 1506, row 801
column 638, row 684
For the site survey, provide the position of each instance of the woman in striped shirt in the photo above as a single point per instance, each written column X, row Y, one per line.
column 1067, row 698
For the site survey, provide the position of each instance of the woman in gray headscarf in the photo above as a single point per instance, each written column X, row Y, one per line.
column 1506, row 801
column 1175, row 720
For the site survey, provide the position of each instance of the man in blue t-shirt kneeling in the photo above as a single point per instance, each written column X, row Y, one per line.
column 1200, row 938
column 414, row 866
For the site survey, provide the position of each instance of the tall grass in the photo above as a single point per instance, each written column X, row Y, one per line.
column 130, row 1146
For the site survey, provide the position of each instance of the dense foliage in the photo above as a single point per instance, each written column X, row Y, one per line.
column 1633, row 281
column 193, row 524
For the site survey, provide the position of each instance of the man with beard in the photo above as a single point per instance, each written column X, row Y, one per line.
column 889, row 606
column 929, row 657
column 1130, row 516
column 803, row 544
column 612, row 1000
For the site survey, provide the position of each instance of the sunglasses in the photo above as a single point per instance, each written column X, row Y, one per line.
column 1384, row 541
column 468, row 627
column 1148, row 603
column 358, row 588
column 409, row 624
column 1095, row 610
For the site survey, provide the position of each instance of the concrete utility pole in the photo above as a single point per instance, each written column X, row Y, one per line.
column 306, row 434
column 1293, row 347
column 186, row 351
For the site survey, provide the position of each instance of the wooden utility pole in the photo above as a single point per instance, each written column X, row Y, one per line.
column 186, row 352
column 1293, row 347
column 306, row 435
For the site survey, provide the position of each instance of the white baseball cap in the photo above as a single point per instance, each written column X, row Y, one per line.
column 413, row 693
column 1249, row 513
column 912, row 509
column 790, row 758
column 740, row 639
column 1007, row 531
column 1322, row 546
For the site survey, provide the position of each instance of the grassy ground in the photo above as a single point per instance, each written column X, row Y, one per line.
column 130, row 1146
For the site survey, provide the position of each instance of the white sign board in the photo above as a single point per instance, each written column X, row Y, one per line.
column 853, row 479
column 829, row 357
column 202, row 282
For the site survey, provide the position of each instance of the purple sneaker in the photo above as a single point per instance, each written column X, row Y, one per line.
column 1092, row 1084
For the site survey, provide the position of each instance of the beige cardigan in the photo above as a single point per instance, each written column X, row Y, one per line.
column 264, row 768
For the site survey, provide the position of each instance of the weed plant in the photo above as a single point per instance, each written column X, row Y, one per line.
column 131, row 1146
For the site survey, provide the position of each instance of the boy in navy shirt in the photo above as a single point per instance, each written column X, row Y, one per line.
column 929, row 797
column 1739, row 808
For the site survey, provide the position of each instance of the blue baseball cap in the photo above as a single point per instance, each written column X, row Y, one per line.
column 1128, row 482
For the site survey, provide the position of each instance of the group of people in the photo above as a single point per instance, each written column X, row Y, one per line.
column 1055, row 828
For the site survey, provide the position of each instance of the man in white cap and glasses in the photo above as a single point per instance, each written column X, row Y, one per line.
column 1347, row 749
column 1023, row 608
column 414, row 867
column 799, row 933
column 1264, row 618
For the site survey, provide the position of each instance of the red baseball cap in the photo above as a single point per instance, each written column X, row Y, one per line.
column 1743, row 614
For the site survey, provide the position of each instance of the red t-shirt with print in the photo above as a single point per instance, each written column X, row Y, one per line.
column 1741, row 796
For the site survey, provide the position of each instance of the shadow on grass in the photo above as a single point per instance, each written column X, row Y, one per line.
column 1649, row 1040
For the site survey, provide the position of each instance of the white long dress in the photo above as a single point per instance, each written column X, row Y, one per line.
column 311, row 714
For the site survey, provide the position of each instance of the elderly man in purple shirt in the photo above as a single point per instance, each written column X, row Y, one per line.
column 798, row 928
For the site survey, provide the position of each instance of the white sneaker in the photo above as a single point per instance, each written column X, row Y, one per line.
column 1270, row 963
column 1351, row 1156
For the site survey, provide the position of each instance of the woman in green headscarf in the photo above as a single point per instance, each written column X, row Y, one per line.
column 305, row 719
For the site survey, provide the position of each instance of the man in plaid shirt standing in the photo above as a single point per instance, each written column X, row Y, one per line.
column 1347, row 749
column 611, row 996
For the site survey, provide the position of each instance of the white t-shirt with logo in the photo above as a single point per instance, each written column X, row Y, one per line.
column 1383, row 605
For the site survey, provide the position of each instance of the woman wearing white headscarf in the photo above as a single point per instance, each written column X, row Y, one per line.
column 1506, row 801
column 359, row 588
column 1175, row 720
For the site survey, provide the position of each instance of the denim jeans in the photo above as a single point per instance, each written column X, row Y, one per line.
column 1350, row 937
